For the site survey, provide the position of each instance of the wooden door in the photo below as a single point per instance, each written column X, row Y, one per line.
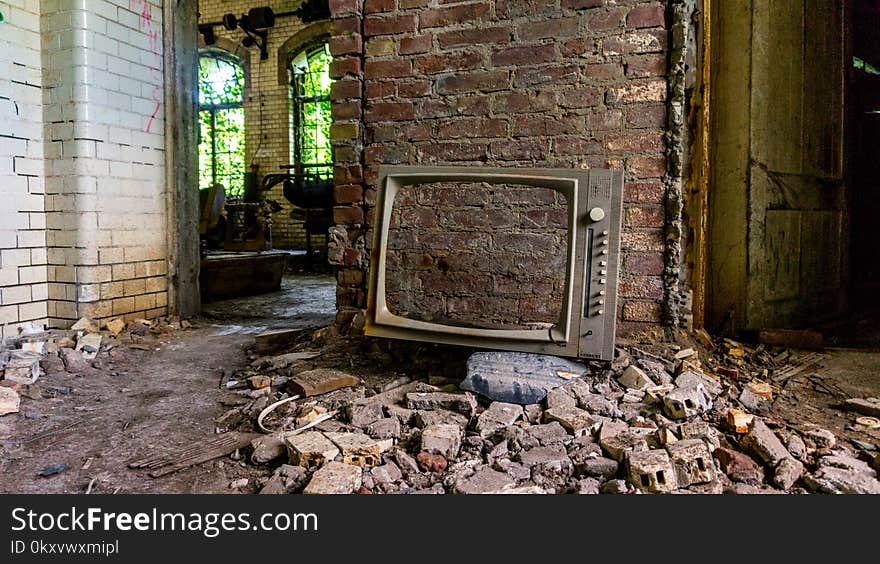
column 797, row 243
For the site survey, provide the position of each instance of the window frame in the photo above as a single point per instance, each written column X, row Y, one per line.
column 214, row 108
column 297, row 111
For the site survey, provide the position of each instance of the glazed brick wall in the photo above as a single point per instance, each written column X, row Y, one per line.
column 266, row 105
column 558, row 83
column 24, row 289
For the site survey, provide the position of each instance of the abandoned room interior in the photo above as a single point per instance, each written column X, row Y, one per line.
column 439, row 246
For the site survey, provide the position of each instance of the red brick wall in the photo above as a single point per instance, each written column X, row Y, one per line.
column 479, row 255
column 558, row 83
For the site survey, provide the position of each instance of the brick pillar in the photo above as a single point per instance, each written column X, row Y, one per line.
column 348, row 238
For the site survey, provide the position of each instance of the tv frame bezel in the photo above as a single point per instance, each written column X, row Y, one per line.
column 561, row 339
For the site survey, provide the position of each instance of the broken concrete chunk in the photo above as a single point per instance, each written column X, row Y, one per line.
column 598, row 467
column 692, row 461
column 533, row 413
column 691, row 377
column 259, row 382
column 683, row 403
column 9, row 401
column 754, row 401
column 738, row 466
column 617, row 446
column 666, row 436
column 335, row 478
column 89, row 345
column 268, row 448
column 764, row 444
column 388, row 428
column 423, row 419
column 548, row 434
column 310, row 449
column 362, row 414
column 823, row 438
column 596, row 403
column 36, row 347
column 442, row 439
column 462, row 403
column 73, row 361
column 635, row 378
column 22, row 367
column 866, row 406
column 656, row 371
column 518, row 471
column 796, row 447
column 577, row 421
column 787, row 473
column 559, row 398
column 359, row 449
column 738, row 421
column 842, row 474
column 651, row 471
column 617, row 487
column 386, row 474
column 85, row 324
column 115, row 326
column 405, row 462
column 520, row 378
column 485, row 481
column 309, row 414
column 684, row 353
column 551, row 457
column 320, row 381
column 498, row 415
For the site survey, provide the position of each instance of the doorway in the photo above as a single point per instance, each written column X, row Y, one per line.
column 793, row 186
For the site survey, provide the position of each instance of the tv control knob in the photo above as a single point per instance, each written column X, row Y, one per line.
column 597, row 214
column 603, row 263
column 601, row 302
column 601, row 281
column 601, row 292
column 600, row 311
column 605, row 233
column 603, row 272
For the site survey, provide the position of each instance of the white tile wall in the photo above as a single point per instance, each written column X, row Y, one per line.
column 23, row 270
column 104, row 107
column 81, row 160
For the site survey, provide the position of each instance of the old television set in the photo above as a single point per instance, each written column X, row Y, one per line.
column 497, row 258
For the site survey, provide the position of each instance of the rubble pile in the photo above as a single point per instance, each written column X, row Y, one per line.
column 87, row 345
column 646, row 424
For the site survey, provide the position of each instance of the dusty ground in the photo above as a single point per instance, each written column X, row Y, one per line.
column 143, row 401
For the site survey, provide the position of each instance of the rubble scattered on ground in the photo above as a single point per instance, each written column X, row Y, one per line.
column 88, row 345
column 698, row 421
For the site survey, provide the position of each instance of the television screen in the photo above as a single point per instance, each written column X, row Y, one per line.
column 513, row 259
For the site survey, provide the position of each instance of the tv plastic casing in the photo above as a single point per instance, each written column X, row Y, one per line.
column 587, row 321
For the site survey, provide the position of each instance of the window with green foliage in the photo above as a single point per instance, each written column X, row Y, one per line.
column 221, row 122
column 310, row 110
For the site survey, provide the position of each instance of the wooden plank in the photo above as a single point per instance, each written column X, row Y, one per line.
column 203, row 451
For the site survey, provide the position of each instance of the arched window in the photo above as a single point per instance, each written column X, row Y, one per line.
column 309, row 72
column 221, row 122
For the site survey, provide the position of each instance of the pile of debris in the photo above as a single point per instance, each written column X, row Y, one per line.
column 643, row 425
column 32, row 354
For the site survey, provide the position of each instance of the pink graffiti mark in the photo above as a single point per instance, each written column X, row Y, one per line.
column 146, row 25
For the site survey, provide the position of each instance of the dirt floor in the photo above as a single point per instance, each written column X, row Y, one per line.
column 137, row 402
column 142, row 400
